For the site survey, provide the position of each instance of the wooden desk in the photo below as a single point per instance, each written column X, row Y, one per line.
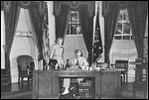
column 46, row 83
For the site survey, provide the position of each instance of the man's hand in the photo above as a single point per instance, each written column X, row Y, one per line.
column 75, row 67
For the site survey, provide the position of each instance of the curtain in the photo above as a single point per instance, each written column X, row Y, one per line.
column 11, row 20
column 2, row 5
column 37, row 22
column 138, row 14
column 87, row 27
column 61, row 21
column 110, row 23
column 98, row 49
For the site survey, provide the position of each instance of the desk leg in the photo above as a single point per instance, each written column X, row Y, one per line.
column 98, row 86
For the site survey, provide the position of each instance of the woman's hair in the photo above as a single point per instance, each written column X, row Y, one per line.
column 40, row 57
column 59, row 38
column 78, row 50
column 53, row 62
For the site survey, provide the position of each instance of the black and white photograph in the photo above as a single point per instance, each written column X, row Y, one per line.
column 74, row 49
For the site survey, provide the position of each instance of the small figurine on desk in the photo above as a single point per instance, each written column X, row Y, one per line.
column 67, row 65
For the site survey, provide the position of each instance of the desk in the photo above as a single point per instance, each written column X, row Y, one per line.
column 46, row 83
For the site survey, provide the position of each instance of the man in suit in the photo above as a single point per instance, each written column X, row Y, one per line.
column 76, row 63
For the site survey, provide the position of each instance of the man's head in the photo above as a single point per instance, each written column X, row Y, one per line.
column 59, row 40
column 78, row 53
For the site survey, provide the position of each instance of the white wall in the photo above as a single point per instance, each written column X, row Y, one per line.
column 22, row 45
column 2, row 40
column 124, row 50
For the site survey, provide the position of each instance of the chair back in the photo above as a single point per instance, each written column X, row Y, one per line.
column 24, row 61
column 32, row 66
column 121, row 64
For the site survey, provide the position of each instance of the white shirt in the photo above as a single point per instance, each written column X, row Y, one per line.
column 82, row 62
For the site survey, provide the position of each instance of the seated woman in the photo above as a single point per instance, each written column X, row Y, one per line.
column 77, row 62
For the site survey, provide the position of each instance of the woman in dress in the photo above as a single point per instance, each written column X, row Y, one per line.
column 57, row 52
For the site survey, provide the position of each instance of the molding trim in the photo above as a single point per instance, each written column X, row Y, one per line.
column 74, row 5
column 7, row 5
column 23, row 4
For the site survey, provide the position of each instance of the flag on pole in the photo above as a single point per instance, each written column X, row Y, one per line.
column 97, row 42
column 46, row 40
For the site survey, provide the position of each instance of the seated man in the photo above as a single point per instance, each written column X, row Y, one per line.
column 77, row 62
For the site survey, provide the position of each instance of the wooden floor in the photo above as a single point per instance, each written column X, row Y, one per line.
column 26, row 93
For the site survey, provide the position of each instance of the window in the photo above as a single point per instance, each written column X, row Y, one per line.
column 123, row 29
column 74, row 27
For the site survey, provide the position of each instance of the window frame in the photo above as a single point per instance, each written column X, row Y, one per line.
column 69, row 30
column 122, row 36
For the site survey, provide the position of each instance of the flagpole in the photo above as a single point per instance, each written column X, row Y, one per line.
column 94, row 30
column 93, row 33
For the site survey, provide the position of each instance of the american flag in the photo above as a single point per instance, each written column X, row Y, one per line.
column 97, row 42
column 46, row 40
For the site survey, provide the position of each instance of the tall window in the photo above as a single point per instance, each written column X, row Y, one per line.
column 74, row 27
column 123, row 29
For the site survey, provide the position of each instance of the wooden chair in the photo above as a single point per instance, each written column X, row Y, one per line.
column 141, row 79
column 31, row 69
column 123, row 64
column 25, row 69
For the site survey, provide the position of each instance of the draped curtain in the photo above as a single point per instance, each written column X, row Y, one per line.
column 86, row 20
column 138, row 14
column 37, row 21
column 87, row 26
column 11, row 20
column 61, row 21
column 12, row 12
column 2, row 5
column 110, row 23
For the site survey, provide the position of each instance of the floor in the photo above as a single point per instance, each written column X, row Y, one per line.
column 16, row 92
column 26, row 93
